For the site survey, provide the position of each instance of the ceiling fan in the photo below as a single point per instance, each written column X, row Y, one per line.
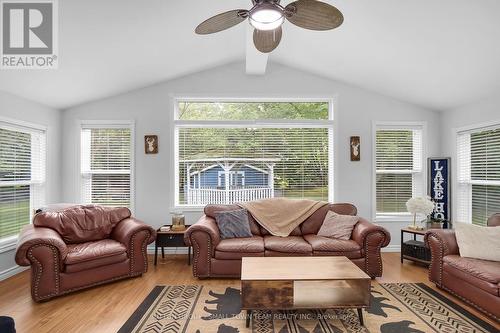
column 267, row 17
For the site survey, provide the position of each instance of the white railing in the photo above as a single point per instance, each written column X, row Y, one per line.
column 204, row 196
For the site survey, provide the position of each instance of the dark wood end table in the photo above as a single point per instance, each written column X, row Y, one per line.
column 414, row 249
column 170, row 238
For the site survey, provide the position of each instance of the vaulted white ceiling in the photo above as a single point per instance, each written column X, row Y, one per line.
column 438, row 54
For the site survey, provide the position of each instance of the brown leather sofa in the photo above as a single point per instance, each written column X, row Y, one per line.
column 214, row 257
column 475, row 281
column 80, row 247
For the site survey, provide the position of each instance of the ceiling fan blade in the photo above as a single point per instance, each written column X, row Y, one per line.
column 313, row 15
column 222, row 21
column 267, row 41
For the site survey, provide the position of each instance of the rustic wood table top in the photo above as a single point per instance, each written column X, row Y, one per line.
column 300, row 268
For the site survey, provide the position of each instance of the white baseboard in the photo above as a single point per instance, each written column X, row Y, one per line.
column 392, row 248
column 11, row 272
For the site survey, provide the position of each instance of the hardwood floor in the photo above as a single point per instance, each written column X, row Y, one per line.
column 104, row 309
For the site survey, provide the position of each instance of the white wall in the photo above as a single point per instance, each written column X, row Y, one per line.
column 152, row 110
column 16, row 108
column 485, row 111
column 477, row 114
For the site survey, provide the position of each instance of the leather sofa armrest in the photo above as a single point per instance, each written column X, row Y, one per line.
column 206, row 225
column 125, row 230
column 204, row 237
column 441, row 242
column 371, row 238
column 32, row 236
column 364, row 228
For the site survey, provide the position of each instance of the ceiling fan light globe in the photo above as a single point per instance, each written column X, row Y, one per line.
column 266, row 18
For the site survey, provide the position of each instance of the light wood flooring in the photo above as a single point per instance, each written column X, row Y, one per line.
column 104, row 309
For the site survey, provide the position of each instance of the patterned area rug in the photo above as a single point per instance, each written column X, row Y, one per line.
column 395, row 308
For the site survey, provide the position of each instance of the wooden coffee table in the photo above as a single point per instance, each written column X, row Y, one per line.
column 286, row 283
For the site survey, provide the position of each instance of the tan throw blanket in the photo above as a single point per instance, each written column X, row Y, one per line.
column 280, row 215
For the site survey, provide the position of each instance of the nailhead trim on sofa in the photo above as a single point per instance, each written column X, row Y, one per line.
column 470, row 302
column 366, row 241
column 442, row 250
column 197, row 255
column 36, row 277
column 442, row 247
column 55, row 252
column 378, row 256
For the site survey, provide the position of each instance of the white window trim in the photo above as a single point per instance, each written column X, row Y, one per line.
column 107, row 124
column 330, row 123
column 421, row 125
column 9, row 243
column 456, row 132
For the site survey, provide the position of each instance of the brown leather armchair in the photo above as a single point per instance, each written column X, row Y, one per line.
column 475, row 281
column 80, row 247
column 214, row 257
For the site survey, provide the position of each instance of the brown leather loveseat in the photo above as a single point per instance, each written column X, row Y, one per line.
column 475, row 281
column 80, row 247
column 214, row 257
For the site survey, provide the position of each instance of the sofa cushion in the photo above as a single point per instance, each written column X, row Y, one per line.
column 98, row 262
column 80, row 224
column 236, row 255
column 211, row 210
column 270, row 253
column 82, row 252
column 323, row 246
column 481, row 273
column 253, row 244
column 482, row 269
column 295, row 232
column 315, row 221
column 478, row 242
column 233, row 224
column 290, row 244
column 338, row 226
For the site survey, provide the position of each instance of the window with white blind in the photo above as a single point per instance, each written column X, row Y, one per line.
column 22, row 175
column 107, row 164
column 228, row 152
column 398, row 168
column 478, row 193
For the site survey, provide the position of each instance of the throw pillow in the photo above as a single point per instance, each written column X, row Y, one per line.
column 338, row 226
column 478, row 242
column 233, row 224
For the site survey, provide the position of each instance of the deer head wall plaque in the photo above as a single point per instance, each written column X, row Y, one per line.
column 355, row 144
column 151, row 144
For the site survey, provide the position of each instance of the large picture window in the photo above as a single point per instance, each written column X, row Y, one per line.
column 22, row 176
column 229, row 152
column 478, row 194
column 106, row 164
column 399, row 174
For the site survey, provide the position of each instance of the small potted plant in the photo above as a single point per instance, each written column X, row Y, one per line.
column 419, row 205
column 436, row 223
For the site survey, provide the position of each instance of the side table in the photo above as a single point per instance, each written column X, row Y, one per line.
column 170, row 238
column 414, row 249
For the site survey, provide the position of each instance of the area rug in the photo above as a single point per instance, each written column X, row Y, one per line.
column 395, row 308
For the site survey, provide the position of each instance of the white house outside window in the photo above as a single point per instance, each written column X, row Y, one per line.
column 22, row 175
column 478, row 192
column 106, row 164
column 227, row 152
column 399, row 164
